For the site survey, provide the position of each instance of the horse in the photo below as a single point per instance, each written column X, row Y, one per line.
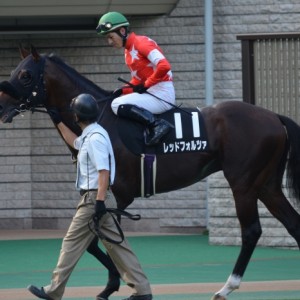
column 253, row 147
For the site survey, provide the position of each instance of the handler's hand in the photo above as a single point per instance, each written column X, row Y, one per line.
column 100, row 211
column 54, row 115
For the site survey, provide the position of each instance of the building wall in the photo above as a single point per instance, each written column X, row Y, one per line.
column 37, row 190
column 36, row 174
column 231, row 18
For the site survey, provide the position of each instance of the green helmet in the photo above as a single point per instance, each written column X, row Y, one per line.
column 110, row 22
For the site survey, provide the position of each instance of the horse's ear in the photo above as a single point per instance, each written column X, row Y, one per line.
column 34, row 53
column 23, row 52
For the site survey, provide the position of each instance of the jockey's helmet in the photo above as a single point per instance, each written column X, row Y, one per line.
column 110, row 22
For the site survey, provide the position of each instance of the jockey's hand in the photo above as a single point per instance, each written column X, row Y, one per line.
column 139, row 89
column 117, row 93
column 54, row 115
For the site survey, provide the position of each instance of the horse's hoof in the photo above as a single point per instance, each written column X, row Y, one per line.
column 112, row 286
column 218, row 297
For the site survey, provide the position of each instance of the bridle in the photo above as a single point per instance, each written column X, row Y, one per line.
column 34, row 98
column 38, row 95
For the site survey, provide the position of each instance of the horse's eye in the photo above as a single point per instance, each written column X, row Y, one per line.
column 25, row 77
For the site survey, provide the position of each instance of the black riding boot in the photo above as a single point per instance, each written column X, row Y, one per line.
column 157, row 127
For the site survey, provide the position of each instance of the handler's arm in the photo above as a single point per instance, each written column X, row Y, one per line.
column 103, row 182
column 68, row 135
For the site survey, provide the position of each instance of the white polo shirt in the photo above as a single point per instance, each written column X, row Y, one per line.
column 95, row 154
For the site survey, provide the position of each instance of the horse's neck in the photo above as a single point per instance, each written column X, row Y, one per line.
column 75, row 82
column 68, row 83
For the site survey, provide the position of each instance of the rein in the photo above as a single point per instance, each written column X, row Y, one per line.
column 33, row 109
column 105, row 99
column 112, row 211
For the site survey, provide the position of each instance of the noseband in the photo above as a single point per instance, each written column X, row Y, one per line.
column 29, row 98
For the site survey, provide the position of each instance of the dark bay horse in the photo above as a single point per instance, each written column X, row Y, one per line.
column 251, row 145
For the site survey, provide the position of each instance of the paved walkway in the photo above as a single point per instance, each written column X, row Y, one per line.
column 166, row 259
column 166, row 290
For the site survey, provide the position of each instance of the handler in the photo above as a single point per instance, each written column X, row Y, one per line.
column 95, row 174
column 150, row 72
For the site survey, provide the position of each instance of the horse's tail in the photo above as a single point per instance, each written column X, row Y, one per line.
column 293, row 159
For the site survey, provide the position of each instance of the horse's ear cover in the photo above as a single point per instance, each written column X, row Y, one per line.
column 23, row 52
column 34, row 53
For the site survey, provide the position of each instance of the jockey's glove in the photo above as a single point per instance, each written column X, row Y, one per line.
column 100, row 211
column 54, row 115
column 139, row 88
column 117, row 93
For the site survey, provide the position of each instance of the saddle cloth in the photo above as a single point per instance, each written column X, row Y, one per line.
column 188, row 135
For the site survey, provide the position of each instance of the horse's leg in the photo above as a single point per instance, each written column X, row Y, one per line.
column 247, row 212
column 283, row 211
column 113, row 283
column 273, row 198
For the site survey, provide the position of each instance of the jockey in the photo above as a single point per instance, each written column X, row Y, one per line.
column 150, row 72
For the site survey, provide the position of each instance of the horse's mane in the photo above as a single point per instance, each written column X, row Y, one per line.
column 79, row 79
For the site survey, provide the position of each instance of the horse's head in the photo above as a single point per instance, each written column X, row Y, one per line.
column 25, row 89
column 43, row 81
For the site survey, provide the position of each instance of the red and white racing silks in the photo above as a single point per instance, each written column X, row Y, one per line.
column 147, row 64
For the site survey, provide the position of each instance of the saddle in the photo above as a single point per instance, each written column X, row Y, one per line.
column 188, row 135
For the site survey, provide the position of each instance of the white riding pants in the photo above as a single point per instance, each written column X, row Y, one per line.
column 164, row 90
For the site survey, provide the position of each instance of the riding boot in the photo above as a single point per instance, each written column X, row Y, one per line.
column 157, row 128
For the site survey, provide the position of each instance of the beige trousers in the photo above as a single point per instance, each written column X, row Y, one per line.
column 79, row 237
